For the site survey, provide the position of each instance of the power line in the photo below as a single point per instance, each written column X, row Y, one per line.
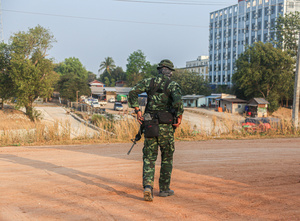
column 104, row 19
column 175, row 3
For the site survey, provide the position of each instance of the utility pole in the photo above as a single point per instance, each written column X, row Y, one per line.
column 1, row 26
column 297, row 89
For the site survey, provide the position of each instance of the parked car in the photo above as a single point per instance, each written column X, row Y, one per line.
column 118, row 106
column 95, row 104
column 111, row 100
column 102, row 103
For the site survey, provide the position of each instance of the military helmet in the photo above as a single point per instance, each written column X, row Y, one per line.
column 166, row 63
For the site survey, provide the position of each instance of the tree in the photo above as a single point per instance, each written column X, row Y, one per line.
column 288, row 32
column 30, row 69
column 108, row 65
column 191, row 83
column 73, row 78
column 6, row 85
column 264, row 71
column 91, row 76
column 136, row 68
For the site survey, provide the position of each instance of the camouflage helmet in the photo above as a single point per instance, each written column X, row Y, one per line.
column 166, row 63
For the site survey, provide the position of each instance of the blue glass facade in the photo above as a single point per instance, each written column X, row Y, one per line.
column 232, row 28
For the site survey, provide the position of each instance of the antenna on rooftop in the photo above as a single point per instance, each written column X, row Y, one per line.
column 1, row 26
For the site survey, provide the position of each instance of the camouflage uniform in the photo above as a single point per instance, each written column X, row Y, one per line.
column 159, row 102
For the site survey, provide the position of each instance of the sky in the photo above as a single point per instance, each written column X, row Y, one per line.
column 92, row 30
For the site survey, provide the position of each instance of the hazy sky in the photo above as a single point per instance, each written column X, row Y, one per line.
column 94, row 29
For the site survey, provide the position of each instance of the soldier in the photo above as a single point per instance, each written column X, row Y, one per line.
column 164, row 104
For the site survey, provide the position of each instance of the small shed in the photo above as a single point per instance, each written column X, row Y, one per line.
column 110, row 92
column 257, row 107
column 193, row 100
column 232, row 105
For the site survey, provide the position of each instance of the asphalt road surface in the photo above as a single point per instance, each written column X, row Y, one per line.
column 212, row 180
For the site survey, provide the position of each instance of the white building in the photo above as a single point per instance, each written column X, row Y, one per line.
column 199, row 66
column 234, row 27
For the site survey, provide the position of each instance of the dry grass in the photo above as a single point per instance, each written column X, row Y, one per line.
column 17, row 129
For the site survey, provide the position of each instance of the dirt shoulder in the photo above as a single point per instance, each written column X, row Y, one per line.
column 212, row 180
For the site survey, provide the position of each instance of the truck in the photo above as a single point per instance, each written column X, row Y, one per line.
column 122, row 98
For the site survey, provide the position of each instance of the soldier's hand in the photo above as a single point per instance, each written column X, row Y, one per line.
column 179, row 119
column 139, row 117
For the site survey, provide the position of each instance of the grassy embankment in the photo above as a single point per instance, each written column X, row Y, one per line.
column 16, row 129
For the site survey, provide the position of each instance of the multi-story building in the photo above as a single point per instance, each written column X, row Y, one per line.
column 199, row 66
column 234, row 27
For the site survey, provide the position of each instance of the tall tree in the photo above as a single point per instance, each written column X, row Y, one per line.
column 30, row 69
column 73, row 77
column 137, row 67
column 191, row 83
column 108, row 65
column 264, row 71
column 6, row 85
column 288, row 27
column 91, row 76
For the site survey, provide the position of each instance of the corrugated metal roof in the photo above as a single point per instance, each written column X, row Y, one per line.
column 234, row 100
column 213, row 96
column 192, row 97
column 110, row 89
column 258, row 101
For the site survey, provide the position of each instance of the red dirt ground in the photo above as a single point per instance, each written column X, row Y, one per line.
column 212, row 180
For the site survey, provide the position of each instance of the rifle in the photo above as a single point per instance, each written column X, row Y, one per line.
column 173, row 111
column 137, row 138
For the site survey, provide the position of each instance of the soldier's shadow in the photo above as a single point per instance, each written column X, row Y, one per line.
column 69, row 172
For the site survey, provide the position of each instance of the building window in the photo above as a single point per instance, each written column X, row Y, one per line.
column 266, row 1
column 266, row 24
column 291, row 5
column 235, row 9
column 280, row 8
column 212, row 16
column 248, row 4
column 254, row 3
column 266, row 11
column 273, row 9
column 273, row 23
column 219, row 78
column 228, row 78
column 225, row 11
column 259, row 25
column 258, row 37
column 248, row 16
column 259, row 13
column 260, row 2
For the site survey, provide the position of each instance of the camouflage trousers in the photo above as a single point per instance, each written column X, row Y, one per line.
column 165, row 141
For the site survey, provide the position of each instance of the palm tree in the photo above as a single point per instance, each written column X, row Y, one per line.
column 108, row 64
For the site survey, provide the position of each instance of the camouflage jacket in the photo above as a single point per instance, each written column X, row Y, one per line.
column 160, row 101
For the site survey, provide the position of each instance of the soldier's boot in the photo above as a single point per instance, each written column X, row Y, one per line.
column 166, row 193
column 148, row 193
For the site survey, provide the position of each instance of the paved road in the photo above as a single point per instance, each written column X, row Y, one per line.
column 212, row 180
column 51, row 114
